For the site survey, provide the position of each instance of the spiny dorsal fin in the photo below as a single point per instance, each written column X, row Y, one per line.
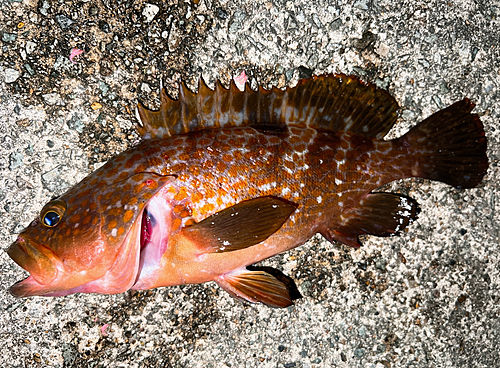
column 329, row 102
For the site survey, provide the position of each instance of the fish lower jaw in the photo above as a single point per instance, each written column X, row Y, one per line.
column 30, row 287
column 25, row 288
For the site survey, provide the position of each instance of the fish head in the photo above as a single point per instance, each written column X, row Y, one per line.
column 87, row 240
column 61, row 249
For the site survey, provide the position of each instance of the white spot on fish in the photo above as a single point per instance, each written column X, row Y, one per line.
column 348, row 120
column 319, row 199
column 114, row 232
column 201, row 258
column 290, row 171
column 404, row 203
column 265, row 187
column 338, row 181
column 404, row 213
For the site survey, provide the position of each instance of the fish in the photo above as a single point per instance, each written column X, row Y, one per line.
column 224, row 178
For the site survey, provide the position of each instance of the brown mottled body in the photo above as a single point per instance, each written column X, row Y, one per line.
column 326, row 174
column 224, row 179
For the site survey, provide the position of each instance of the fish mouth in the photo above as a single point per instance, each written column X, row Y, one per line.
column 37, row 260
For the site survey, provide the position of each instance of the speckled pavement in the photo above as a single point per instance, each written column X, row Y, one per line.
column 70, row 75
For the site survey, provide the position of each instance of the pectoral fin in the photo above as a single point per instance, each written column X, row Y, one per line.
column 256, row 287
column 240, row 226
column 380, row 214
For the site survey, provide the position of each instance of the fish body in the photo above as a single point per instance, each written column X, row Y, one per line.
column 224, row 179
column 299, row 168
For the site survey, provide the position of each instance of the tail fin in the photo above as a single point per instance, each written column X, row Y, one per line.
column 450, row 146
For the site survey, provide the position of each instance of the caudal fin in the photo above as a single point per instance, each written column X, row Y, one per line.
column 450, row 146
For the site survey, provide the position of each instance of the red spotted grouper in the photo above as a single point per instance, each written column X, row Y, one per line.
column 223, row 179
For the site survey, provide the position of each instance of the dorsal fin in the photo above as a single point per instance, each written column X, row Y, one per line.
column 328, row 102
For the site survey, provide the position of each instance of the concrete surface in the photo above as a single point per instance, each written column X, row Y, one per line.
column 429, row 298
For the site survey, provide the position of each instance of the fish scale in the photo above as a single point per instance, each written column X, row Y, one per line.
column 224, row 179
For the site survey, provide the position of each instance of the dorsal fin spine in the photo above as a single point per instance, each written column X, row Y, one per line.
column 345, row 116
column 199, row 104
column 309, row 113
column 203, row 94
column 183, row 91
column 244, row 105
column 232, row 113
column 218, row 104
column 236, row 116
column 164, row 101
column 341, row 107
column 287, row 111
column 312, row 114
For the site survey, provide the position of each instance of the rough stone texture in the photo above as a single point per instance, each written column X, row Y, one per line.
column 429, row 298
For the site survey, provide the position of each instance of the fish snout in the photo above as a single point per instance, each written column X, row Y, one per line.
column 34, row 258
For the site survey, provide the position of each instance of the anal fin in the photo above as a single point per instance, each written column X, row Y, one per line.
column 292, row 288
column 380, row 214
column 256, row 286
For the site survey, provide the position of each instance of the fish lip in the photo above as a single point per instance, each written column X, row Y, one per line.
column 30, row 287
column 34, row 258
column 26, row 287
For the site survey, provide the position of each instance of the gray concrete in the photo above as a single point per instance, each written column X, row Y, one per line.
column 429, row 298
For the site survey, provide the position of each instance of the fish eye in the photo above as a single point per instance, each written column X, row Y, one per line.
column 51, row 218
column 53, row 213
